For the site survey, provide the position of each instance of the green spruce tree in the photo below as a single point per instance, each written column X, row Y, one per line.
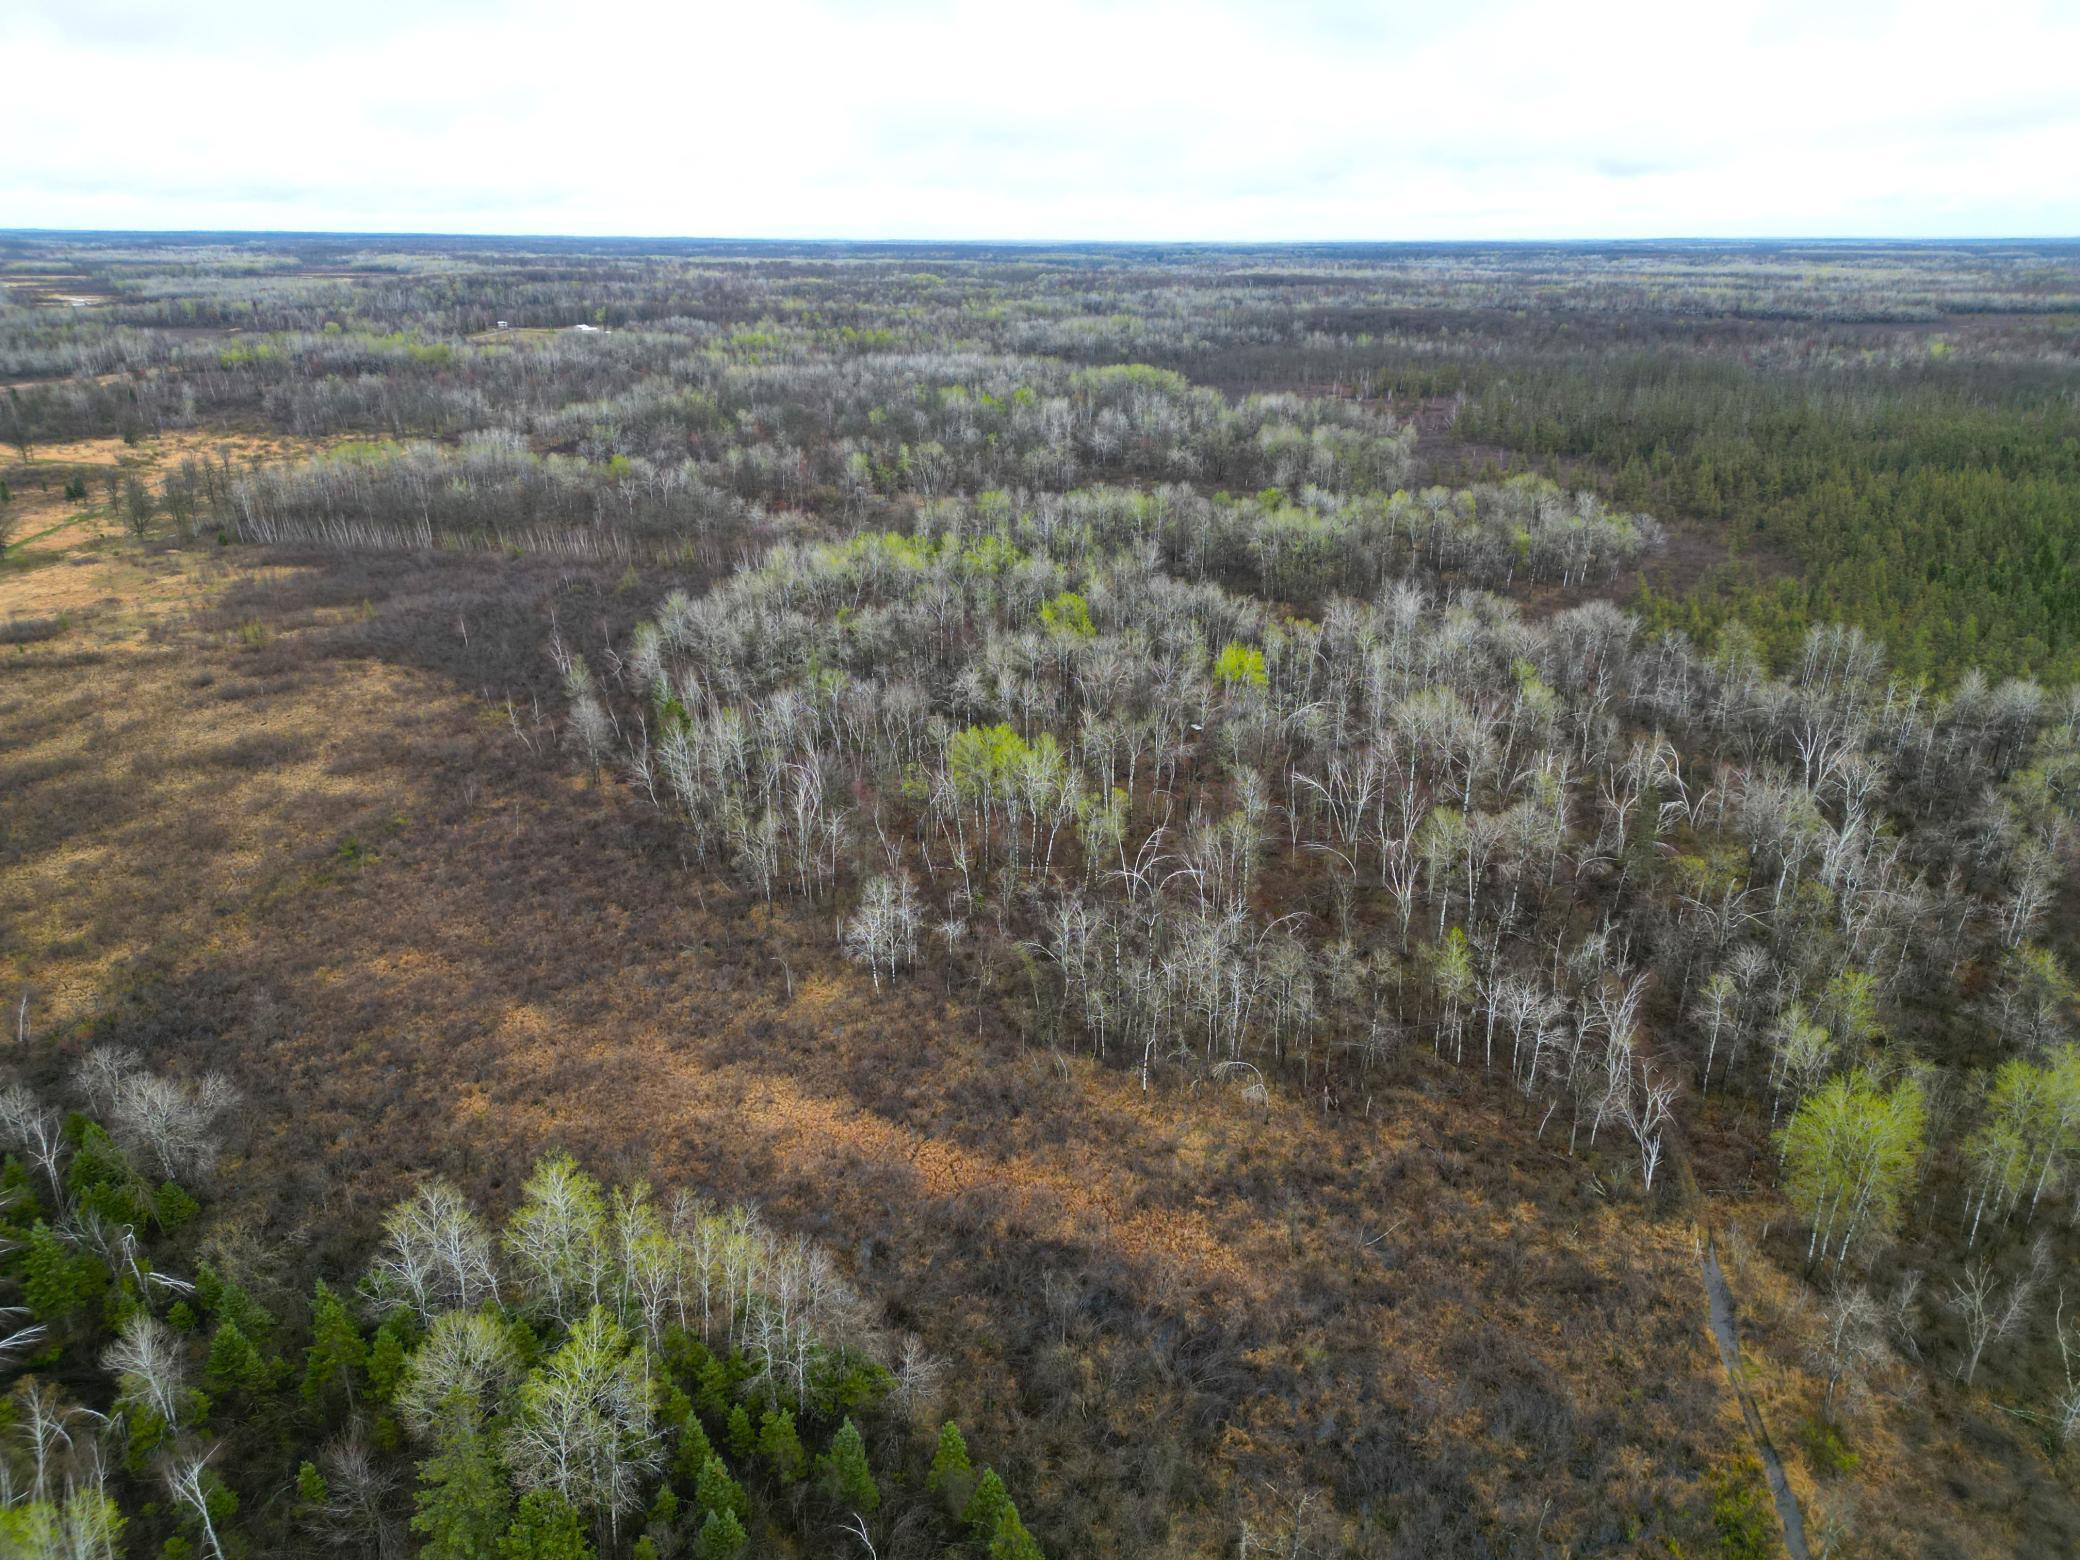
column 844, row 1473
column 722, row 1537
column 57, row 1281
column 780, row 1448
column 1013, row 1542
column 464, row 1504
column 386, row 1356
column 337, row 1356
column 738, row 1435
column 950, row 1467
column 545, row 1528
column 694, row 1454
column 717, row 1491
column 711, row 1391
column 234, row 1365
column 986, row 1507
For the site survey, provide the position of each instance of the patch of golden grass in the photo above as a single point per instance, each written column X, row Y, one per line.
column 191, row 831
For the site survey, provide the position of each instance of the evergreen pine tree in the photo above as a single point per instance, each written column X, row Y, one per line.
column 234, row 1365
column 846, row 1478
column 717, row 1491
column 463, row 1501
column 986, row 1507
column 781, row 1447
column 544, row 1528
column 56, row 1282
column 1013, row 1542
column 949, row 1465
column 386, row 1356
column 337, row 1355
column 721, row 1537
column 173, row 1207
column 711, row 1391
column 695, row 1452
column 664, row 1510
column 738, row 1436
column 228, row 1302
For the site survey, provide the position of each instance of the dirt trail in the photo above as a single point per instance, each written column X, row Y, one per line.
column 1721, row 1306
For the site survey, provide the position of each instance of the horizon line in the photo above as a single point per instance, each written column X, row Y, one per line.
column 1046, row 242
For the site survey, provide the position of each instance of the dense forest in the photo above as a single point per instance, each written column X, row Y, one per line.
column 1526, row 770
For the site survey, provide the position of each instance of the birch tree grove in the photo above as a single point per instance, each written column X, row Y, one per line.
column 1850, row 1154
column 1020, row 719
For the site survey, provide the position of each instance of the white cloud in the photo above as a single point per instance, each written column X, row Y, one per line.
column 1143, row 119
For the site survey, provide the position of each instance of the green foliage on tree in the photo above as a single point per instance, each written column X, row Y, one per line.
column 84, row 1523
column 2032, row 997
column 463, row 1501
column 311, row 1487
column 228, row 1302
column 388, row 1353
column 1068, row 615
column 664, row 1510
column 780, row 1448
column 1849, row 1008
column 739, row 1435
column 556, row 1233
column 594, row 1392
column 1240, row 666
column 843, row 1471
column 337, row 1355
column 841, row 1382
column 219, row 1499
column 101, row 1179
column 694, row 1451
column 986, row 1507
column 983, row 760
column 57, row 1281
column 234, row 1365
column 144, row 1432
column 1013, row 1542
column 545, row 1527
column 711, row 1392
column 173, row 1207
column 721, row 1537
column 1850, row 1154
column 716, row 1490
column 950, row 1467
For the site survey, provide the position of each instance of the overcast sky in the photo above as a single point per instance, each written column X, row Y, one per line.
column 1251, row 119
